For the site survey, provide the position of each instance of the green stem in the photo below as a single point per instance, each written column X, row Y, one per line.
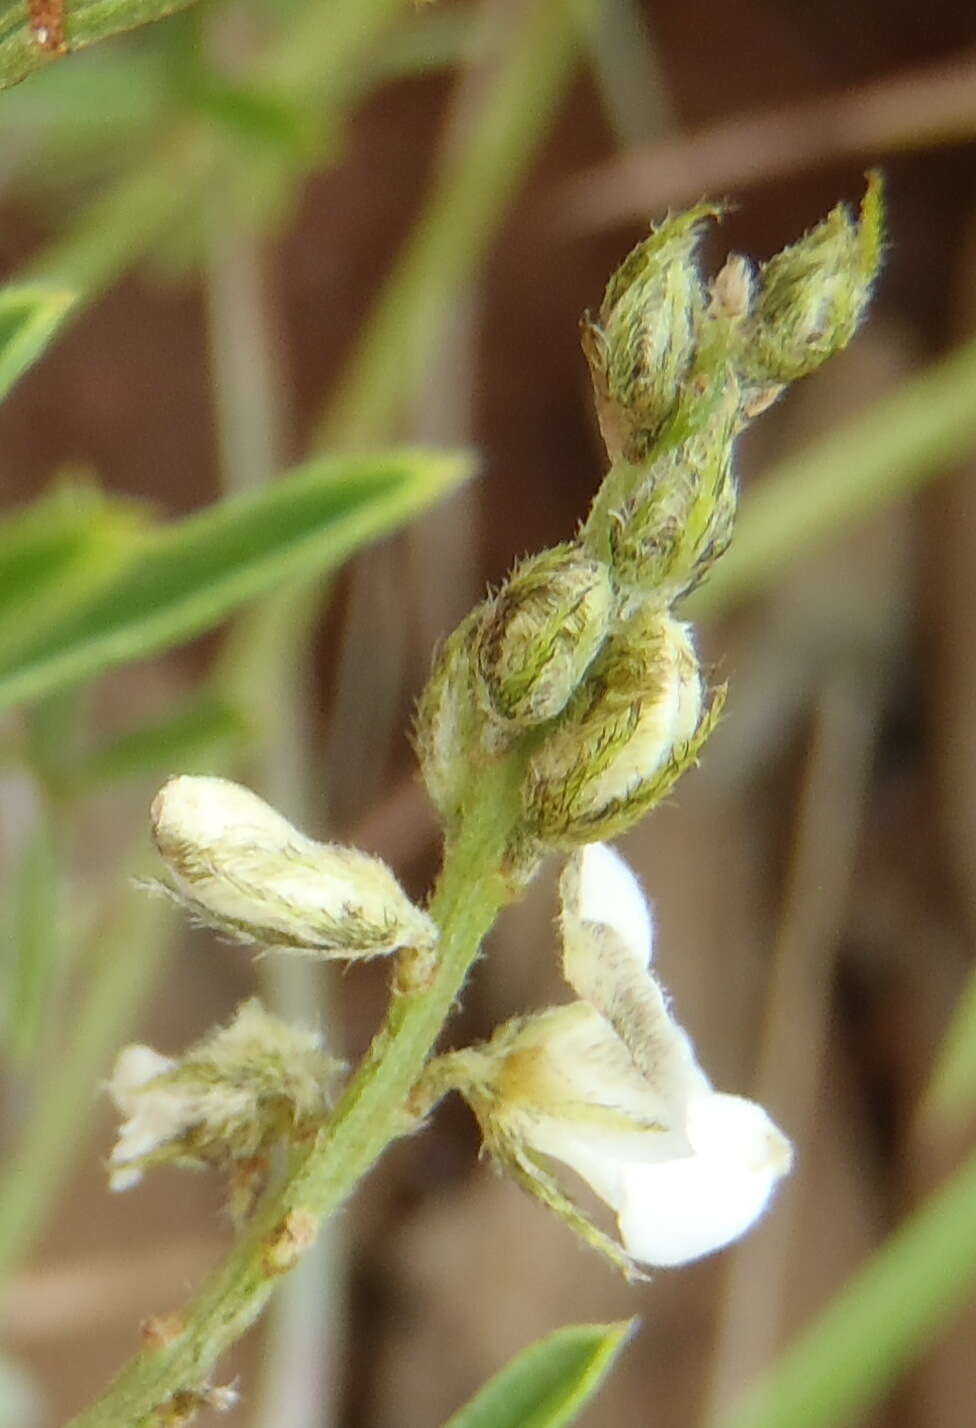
column 370, row 1115
column 130, row 947
column 470, row 197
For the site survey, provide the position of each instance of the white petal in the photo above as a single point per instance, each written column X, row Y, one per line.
column 571, row 1068
column 679, row 1211
column 598, row 886
column 135, row 1066
column 204, row 810
column 607, row 935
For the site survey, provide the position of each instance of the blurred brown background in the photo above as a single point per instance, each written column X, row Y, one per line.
column 815, row 880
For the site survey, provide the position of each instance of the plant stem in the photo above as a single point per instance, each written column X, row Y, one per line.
column 471, row 194
column 370, row 1115
column 131, row 939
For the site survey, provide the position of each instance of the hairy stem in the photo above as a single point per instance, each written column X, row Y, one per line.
column 370, row 1115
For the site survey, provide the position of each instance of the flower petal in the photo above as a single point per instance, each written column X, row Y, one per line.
column 681, row 1210
column 599, row 887
column 568, row 1085
column 606, row 961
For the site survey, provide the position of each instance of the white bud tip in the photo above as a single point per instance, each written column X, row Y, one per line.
column 204, row 811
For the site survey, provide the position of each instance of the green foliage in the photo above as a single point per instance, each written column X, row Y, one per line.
column 87, row 22
column 950, row 1099
column 30, row 315
column 58, row 550
column 549, row 1383
column 184, row 577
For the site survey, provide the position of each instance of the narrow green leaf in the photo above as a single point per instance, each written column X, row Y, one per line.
column 57, row 551
column 86, row 22
column 907, row 438
column 549, row 1383
column 30, row 315
column 878, row 1324
column 187, row 576
column 202, row 725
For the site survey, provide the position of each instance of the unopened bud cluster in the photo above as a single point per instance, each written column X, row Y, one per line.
column 578, row 665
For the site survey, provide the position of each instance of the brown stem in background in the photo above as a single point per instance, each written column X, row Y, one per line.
column 930, row 106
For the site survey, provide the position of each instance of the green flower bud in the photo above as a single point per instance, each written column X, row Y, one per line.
column 541, row 632
column 448, row 721
column 660, row 527
column 812, row 295
column 624, row 739
column 243, row 869
column 642, row 344
column 228, row 1099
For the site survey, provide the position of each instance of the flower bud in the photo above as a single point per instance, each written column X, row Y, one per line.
column 812, row 295
column 662, row 526
column 541, row 632
column 624, row 739
column 242, row 868
column 641, row 345
column 228, row 1099
column 448, row 722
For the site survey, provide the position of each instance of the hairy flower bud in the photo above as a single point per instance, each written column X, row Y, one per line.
column 242, row 868
column 624, row 739
column 448, row 721
column 541, row 632
column 661, row 526
column 812, row 295
column 641, row 345
column 228, row 1099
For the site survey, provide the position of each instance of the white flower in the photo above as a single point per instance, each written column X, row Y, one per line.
column 611, row 1087
column 150, row 1120
column 232, row 1095
column 241, row 867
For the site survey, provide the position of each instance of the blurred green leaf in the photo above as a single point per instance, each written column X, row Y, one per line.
column 549, row 1383
column 950, row 1098
column 908, row 437
column 55, row 551
column 86, row 22
column 30, row 315
column 202, row 725
column 878, row 1324
column 187, row 576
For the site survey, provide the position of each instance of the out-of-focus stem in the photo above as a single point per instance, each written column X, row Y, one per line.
column 129, row 940
column 626, row 69
column 471, row 193
column 315, row 60
column 297, row 1383
column 822, row 868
